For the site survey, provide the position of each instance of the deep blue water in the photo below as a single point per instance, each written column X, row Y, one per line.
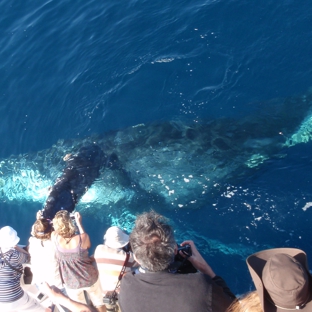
column 69, row 69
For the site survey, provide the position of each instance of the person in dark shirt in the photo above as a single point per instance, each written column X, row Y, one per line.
column 155, row 288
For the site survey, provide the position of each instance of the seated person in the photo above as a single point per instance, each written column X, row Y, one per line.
column 44, row 264
column 110, row 258
column 155, row 289
column 282, row 279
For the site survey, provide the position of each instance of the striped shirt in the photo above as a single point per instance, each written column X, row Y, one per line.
column 110, row 262
column 10, row 286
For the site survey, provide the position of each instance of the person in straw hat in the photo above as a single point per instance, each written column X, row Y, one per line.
column 12, row 258
column 110, row 258
column 282, row 279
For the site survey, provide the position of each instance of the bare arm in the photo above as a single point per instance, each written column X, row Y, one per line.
column 58, row 297
column 21, row 250
column 39, row 215
column 200, row 264
column 86, row 243
column 78, row 219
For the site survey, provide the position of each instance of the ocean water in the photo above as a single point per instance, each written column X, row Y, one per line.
column 73, row 69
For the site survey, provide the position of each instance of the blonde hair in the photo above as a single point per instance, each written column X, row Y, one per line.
column 249, row 302
column 63, row 224
column 42, row 229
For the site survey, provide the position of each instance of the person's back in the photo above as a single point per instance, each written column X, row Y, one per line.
column 163, row 291
column 76, row 267
column 12, row 258
column 154, row 288
column 10, row 288
column 110, row 258
column 44, row 264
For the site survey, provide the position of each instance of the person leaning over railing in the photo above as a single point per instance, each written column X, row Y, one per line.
column 44, row 264
column 111, row 256
column 156, row 289
column 76, row 267
column 12, row 258
column 113, row 259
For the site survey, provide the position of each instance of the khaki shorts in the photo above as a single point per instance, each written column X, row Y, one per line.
column 25, row 303
column 95, row 293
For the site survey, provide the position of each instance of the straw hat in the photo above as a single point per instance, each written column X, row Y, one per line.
column 282, row 279
column 115, row 238
column 8, row 238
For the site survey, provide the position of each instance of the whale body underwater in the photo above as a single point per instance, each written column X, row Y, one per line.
column 161, row 165
column 167, row 164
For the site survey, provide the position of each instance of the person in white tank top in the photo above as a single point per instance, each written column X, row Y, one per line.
column 44, row 264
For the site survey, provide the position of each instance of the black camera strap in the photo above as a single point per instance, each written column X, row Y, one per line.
column 122, row 272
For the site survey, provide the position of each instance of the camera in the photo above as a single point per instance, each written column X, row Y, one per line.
column 127, row 248
column 72, row 216
column 186, row 250
column 40, row 296
column 180, row 264
column 110, row 303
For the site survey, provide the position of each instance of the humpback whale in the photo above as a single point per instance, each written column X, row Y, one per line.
column 163, row 165
column 168, row 164
column 171, row 165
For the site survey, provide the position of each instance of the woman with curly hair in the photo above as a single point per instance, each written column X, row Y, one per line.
column 44, row 264
column 76, row 267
